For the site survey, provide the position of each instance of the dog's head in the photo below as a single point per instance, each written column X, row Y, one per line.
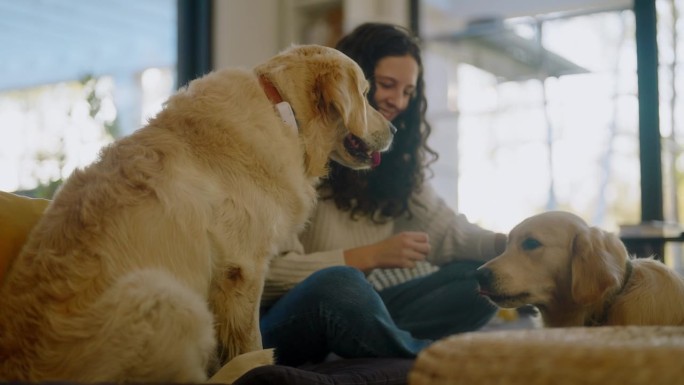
column 327, row 91
column 551, row 258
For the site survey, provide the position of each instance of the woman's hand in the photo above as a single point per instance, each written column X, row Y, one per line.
column 401, row 250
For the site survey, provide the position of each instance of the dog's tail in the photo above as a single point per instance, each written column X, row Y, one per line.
column 147, row 327
column 241, row 365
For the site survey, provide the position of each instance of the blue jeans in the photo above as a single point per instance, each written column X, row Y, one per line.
column 337, row 310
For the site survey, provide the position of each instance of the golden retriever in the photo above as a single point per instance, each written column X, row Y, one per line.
column 149, row 264
column 577, row 275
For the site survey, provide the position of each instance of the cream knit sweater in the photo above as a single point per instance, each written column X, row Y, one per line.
column 331, row 231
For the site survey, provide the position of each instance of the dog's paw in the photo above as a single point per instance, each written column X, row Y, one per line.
column 241, row 364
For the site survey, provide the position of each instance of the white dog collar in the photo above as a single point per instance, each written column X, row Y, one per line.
column 282, row 107
column 287, row 115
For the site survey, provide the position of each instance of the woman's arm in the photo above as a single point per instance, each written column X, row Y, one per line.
column 401, row 250
column 322, row 244
column 292, row 266
column 452, row 236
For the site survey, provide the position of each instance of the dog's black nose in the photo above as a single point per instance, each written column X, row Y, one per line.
column 484, row 276
column 392, row 128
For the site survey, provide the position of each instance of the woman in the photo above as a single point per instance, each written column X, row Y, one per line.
column 384, row 266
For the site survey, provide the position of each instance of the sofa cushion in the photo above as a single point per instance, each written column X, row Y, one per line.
column 376, row 371
column 18, row 215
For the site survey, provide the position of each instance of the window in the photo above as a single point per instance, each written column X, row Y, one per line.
column 75, row 75
column 542, row 112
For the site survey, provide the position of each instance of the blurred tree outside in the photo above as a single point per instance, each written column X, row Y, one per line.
column 68, row 133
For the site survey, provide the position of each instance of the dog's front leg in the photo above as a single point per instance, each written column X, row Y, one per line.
column 235, row 297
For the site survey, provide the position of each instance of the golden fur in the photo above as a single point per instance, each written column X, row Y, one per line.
column 149, row 264
column 577, row 275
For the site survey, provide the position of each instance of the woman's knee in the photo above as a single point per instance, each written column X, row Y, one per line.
column 337, row 276
column 339, row 284
column 462, row 269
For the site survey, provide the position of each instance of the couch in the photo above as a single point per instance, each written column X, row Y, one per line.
column 19, row 214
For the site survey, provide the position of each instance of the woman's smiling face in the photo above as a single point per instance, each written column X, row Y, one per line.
column 395, row 83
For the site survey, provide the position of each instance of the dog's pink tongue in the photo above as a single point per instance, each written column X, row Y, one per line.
column 375, row 157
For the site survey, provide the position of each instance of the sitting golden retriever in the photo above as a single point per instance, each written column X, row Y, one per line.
column 149, row 264
column 577, row 275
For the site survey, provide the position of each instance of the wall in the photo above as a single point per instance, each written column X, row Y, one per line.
column 247, row 32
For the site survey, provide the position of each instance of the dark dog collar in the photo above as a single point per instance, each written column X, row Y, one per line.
column 601, row 318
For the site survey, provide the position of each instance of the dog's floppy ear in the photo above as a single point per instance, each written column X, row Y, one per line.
column 596, row 264
column 339, row 95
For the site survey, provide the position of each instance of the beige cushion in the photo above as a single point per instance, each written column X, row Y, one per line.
column 629, row 355
column 18, row 215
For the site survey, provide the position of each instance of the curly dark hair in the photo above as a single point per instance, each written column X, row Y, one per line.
column 384, row 192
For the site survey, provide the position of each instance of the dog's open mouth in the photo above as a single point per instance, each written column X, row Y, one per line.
column 359, row 150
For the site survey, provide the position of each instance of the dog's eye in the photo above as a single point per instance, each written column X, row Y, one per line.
column 530, row 244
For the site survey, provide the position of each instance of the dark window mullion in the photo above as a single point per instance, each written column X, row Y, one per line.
column 194, row 40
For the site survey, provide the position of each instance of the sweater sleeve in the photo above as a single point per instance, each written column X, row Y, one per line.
column 322, row 243
column 292, row 266
column 452, row 236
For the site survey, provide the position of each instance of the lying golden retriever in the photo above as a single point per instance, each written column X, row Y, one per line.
column 577, row 275
column 149, row 264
